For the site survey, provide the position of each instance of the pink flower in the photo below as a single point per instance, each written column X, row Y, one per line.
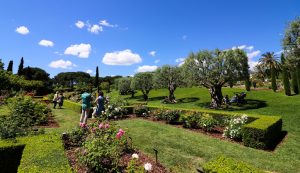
column 82, row 125
column 100, row 126
column 93, row 129
column 120, row 133
column 106, row 126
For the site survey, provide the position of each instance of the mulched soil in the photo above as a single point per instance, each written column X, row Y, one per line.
column 50, row 124
column 156, row 167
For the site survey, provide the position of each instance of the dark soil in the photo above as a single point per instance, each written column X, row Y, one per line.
column 50, row 124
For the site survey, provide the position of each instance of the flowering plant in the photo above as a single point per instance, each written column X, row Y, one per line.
column 133, row 165
column 207, row 122
column 234, row 128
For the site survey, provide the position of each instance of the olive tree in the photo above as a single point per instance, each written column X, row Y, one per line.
column 144, row 82
column 169, row 77
column 124, row 85
column 213, row 69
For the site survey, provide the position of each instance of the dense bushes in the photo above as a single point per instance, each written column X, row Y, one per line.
column 10, row 157
column 228, row 165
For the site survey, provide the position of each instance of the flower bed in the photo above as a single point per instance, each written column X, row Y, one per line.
column 103, row 147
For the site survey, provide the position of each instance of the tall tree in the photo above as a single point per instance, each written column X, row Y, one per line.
column 285, row 76
column 97, row 79
column 143, row 82
column 168, row 77
column 21, row 66
column 213, row 69
column 10, row 66
column 1, row 65
column 291, row 45
column 270, row 62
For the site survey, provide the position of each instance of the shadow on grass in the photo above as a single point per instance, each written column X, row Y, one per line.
column 279, row 140
column 141, row 98
column 251, row 104
column 187, row 100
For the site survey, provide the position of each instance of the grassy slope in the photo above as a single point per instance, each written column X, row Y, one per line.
column 286, row 158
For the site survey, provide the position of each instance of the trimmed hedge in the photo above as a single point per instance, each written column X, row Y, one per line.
column 72, row 105
column 10, row 157
column 261, row 132
column 228, row 165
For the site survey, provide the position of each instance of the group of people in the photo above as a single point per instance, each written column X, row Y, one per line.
column 238, row 98
column 86, row 106
column 58, row 99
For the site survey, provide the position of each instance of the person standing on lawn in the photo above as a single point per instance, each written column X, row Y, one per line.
column 100, row 103
column 60, row 100
column 55, row 98
column 85, row 108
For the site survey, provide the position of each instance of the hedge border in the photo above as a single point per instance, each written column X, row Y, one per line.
column 260, row 132
column 11, row 157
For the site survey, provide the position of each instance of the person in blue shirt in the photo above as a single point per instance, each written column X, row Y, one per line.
column 85, row 107
column 100, row 103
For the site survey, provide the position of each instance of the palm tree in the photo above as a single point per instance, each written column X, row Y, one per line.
column 270, row 61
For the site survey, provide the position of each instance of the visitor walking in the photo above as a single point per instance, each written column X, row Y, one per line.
column 55, row 98
column 60, row 100
column 85, row 108
column 100, row 103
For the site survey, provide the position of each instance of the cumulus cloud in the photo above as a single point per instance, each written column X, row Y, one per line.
column 146, row 68
column 180, row 61
column 105, row 23
column 22, row 30
column 152, row 53
column 80, row 24
column 125, row 57
column 81, row 50
column 89, row 71
column 95, row 29
column 46, row 43
column 157, row 61
column 62, row 64
column 253, row 54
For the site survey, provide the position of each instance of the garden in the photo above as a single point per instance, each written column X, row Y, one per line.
column 204, row 116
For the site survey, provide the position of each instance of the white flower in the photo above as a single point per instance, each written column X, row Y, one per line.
column 135, row 156
column 148, row 167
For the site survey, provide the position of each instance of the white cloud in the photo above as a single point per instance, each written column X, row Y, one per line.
column 253, row 54
column 157, row 61
column 252, row 64
column 279, row 52
column 105, row 23
column 22, row 30
column 79, row 24
column 95, row 29
column 125, row 57
column 152, row 53
column 89, row 71
column 180, row 61
column 80, row 50
column 250, row 48
column 46, row 43
column 62, row 64
column 146, row 68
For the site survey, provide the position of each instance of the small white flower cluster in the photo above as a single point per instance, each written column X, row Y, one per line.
column 233, row 130
column 147, row 166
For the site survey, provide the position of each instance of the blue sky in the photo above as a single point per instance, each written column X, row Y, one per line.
column 123, row 37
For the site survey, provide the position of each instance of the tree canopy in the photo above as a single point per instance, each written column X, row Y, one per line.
column 143, row 82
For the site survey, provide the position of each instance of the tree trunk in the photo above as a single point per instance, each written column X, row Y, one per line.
column 145, row 96
column 216, row 96
column 273, row 75
column 171, row 94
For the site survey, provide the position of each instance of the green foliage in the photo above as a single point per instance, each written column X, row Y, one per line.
column 285, row 76
column 133, row 166
column 207, row 122
column 192, row 120
column 143, row 82
column 124, row 85
column 75, row 137
column 96, row 83
column 68, row 79
column 171, row 116
column 10, row 66
column 1, row 65
column 228, row 165
column 114, row 108
column 234, row 128
column 294, row 81
column 262, row 133
column 10, row 157
column 141, row 111
column 21, row 66
column 9, row 128
column 103, row 147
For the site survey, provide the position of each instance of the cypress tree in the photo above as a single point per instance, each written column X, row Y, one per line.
column 21, row 66
column 273, row 75
column 298, row 75
column 286, row 82
column 10, row 66
column 1, row 65
column 97, row 79
column 294, row 81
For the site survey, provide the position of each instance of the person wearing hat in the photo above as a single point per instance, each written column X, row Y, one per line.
column 55, row 98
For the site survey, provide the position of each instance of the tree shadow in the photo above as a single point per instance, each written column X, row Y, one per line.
column 141, row 98
column 251, row 104
column 278, row 141
column 188, row 100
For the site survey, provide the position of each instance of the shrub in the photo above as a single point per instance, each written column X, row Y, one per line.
column 141, row 111
column 75, row 137
column 114, row 108
column 9, row 128
column 234, row 128
column 207, row 122
column 172, row 116
column 228, row 165
column 262, row 133
column 103, row 147
column 10, row 157
column 192, row 120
